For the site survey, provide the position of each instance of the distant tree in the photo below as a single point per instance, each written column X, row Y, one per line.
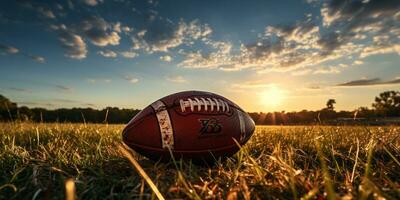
column 329, row 104
column 8, row 109
column 24, row 113
column 388, row 103
column 6, row 104
column 364, row 112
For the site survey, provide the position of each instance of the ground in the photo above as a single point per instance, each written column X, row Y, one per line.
column 38, row 161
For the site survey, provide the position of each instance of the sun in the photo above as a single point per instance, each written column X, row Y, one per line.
column 272, row 97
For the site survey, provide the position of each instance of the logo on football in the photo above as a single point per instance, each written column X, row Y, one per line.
column 210, row 126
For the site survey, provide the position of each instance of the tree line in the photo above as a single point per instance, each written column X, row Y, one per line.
column 9, row 111
column 386, row 105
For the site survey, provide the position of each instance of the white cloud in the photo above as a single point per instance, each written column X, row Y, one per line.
column 99, row 32
column 380, row 49
column 128, row 54
column 8, row 49
column 166, row 58
column 327, row 70
column 93, row 81
column 46, row 12
column 108, row 53
column 126, row 29
column 38, row 59
column 64, row 88
column 358, row 62
column 220, row 58
column 92, row 2
column 303, row 45
column 176, row 79
column 117, row 27
column 162, row 38
column 132, row 80
column 73, row 44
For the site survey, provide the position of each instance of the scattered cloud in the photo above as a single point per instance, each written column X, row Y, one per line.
column 108, row 53
column 131, row 79
column 166, row 58
column 350, row 29
column 117, row 27
column 380, row 49
column 162, row 36
column 312, row 1
column 370, row 82
column 99, row 32
column 220, row 57
column 128, row 54
column 93, row 81
column 92, row 2
column 355, row 29
column 4, row 49
column 373, row 20
column 64, row 88
column 176, row 79
column 73, row 44
column 90, row 80
column 327, row 70
column 126, row 29
column 358, row 62
column 45, row 12
column 38, row 59
column 360, row 13
column 20, row 89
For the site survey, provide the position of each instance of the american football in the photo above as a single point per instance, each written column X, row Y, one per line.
column 192, row 125
column 199, row 99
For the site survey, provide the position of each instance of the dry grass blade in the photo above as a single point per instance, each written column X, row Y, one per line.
column 141, row 172
column 327, row 178
column 392, row 156
column 355, row 163
column 10, row 186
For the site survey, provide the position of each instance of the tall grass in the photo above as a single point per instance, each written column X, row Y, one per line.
column 83, row 161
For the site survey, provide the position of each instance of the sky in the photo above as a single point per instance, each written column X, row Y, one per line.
column 263, row 55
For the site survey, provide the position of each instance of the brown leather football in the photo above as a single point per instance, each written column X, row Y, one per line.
column 192, row 124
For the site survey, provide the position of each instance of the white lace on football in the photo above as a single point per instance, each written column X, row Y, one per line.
column 208, row 104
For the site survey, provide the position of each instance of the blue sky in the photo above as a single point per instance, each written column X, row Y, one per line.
column 264, row 55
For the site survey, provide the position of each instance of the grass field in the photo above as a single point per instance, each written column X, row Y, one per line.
column 279, row 162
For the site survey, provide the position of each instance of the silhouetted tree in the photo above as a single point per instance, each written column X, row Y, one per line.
column 8, row 109
column 329, row 104
column 364, row 112
column 388, row 104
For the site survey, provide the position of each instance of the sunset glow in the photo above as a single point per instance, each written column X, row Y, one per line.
column 266, row 55
column 272, row 97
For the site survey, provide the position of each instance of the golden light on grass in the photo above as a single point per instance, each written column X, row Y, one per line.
column 70, row 189
column 272, row 97
column 279, row 162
